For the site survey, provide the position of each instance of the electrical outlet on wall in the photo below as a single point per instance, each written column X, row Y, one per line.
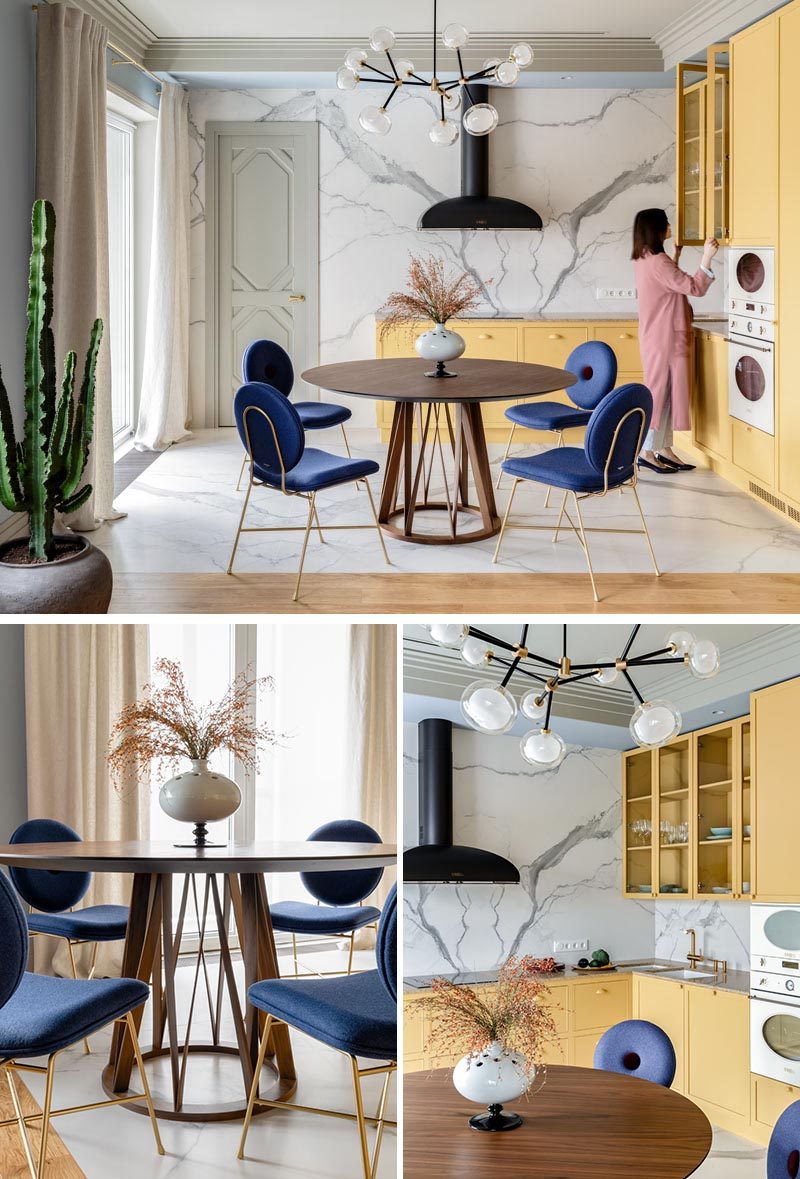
column 615, row 293
column 570, row 947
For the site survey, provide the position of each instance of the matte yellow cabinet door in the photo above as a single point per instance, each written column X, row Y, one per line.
column 777, row 798
column 718, row 1049
column 712, row 425
column 601, row 1004
column 754, row 134
column 662, row 1002
column 583, row 1049
column 788, row 405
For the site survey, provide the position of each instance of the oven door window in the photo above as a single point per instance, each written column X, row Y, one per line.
column 750, row 273
column 782, row 1034
column 782, row 930
column 752, row 384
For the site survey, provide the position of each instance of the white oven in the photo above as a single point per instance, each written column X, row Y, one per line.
column 751, row 381
column 751, row 282
column 775, row 936
column 775, row 992
column 775, row 1039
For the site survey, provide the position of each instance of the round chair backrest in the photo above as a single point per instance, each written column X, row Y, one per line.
column 619, row 423
column 783, row 1155
column 14, row 936
column 639, row 1049
column 386, row 945
column 49, row 892
column 267, row 362
column 267, row 420
column 343, row 888
column 595, row 366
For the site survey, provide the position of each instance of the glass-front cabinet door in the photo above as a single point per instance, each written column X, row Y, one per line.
column 691, row 152
column 718, row 143
column 638, row 811
column 744, row 819
column 715, row 807
column 673, row 808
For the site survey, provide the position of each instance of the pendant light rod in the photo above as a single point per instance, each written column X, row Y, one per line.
column 633, row 687
column 630, row 641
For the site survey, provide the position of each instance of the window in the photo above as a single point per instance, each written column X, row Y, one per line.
column 121, row 272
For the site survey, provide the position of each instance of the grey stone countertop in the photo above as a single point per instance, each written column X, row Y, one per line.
column 706, row 323
column 737, row 981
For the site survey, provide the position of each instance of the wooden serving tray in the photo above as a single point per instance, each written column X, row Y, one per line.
column 595, row 969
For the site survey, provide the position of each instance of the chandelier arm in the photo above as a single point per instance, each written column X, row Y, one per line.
column 510, row 672
column 523, row 641
column 391, row 63
column 434, row 38
column 418, row 80
column 472, row 101
column 447, row 86
column 395, row 88
column 633, row 687
column 477, row 633
column 461, row 73
column 650, row 654
column 441, row 106
column 630, row 641
column 383, row 75
column 658, row 663
column 564, row 640
column 478, row 75
column 550, row 695
column 584, row 675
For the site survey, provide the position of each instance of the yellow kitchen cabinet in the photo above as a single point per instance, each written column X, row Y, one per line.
column 718, row 1055
column 492, row 341
column 711, row 424
column 662, row 1001
column 583, row 1048
column 601, row 1002
column 672, row 793
column 692, row 92
column 768, row 1100
column 788, row 347
column 754, row 134
column 637, row 867
column 777, row 799
column 753, row 451
column 623, row 339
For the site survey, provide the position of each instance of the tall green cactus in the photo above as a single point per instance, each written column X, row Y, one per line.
column 40, row 474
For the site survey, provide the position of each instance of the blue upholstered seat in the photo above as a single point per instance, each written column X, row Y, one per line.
column 317, row 469
column 547, row 415
column 565, row 467
column 783, row 1153
column 266, row 361
column 595, row 366
column 637, row 1048
column 98, row 923
column 303, row 917
column 318, row 415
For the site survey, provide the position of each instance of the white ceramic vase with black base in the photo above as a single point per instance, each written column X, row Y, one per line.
column 491, row 1077
column 200, row 795
column 440, row 344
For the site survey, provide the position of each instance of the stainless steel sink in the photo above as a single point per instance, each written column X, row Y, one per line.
column 651, row 968
column 687, row 974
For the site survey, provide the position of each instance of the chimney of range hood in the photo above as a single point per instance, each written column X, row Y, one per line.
column 437, row 859
column 475, row 209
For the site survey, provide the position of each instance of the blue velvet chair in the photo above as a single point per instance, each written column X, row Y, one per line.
column 265, row 360
column 354, row 1014
column 637, row 1048
column 607, row 460
column 53, row 895
column 595, row 365
column 783, row 1153
column 273, row 436
column 41, row 1016
column 339, row 910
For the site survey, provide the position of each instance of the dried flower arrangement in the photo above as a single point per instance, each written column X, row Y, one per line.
column 431, row 293
column 166, row 725
column 515, row 1014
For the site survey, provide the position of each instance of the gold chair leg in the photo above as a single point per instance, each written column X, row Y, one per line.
column 549, row 489
column 377, row 525
column 346, row 443
column 137, row 1052
column 239, row 529
column 350, row 955
column 23, row 1129
column 362, row 1125
column 241, row 472
column 46, row 1107
column 585, row 544
column 505, row 456
column 86, row 1047
column 319, row 526
column 294, row 956
column 512, row 493
column 646, row 530
column 560, row 517
column 262, row 1052
column 311, row 510
column 381, row 1117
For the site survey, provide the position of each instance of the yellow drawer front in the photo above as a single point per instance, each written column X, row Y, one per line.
column 557, row 1001
column 601, row 1003
column 551, row 344
column 624, row 339
column 583, row 1049
column 753, row 451
column 488, row 343
column 770, row 1099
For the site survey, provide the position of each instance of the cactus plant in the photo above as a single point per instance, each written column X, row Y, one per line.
column 40, row 474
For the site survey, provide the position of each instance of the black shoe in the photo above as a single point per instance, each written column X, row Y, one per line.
column 652, row 467
column 662, row 458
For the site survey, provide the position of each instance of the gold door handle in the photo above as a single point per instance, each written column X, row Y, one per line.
column 297, row 298
column 484, row 336
column 625, row 336
column 601, row 991
column 555, row 336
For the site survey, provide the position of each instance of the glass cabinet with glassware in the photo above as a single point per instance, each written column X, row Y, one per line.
column 637, row 772
column 723, row 810
column 703, row 149
column 673, row 805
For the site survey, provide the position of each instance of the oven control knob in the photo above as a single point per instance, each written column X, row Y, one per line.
column 762, row 982
column 763, row 962
column 750, row 325
column 790, row 984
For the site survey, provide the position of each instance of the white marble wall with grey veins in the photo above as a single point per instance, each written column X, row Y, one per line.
column 723, row 930
column 586, row 159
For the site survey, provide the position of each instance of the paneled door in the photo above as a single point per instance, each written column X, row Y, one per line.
column 262, row 251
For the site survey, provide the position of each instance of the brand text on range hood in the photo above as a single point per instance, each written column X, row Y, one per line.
column 438, row 859
column 475, row 209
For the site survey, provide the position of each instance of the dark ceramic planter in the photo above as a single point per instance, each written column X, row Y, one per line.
column 77, row 583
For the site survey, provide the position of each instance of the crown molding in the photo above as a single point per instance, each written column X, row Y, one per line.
column 706, row 23
column 128, row 33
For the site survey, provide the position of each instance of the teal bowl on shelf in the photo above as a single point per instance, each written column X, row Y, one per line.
column 721, row 831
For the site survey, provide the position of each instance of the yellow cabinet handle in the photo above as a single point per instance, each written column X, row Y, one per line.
column 484, row 336
column 625, row 336
column 555, row 336
column 601, row 991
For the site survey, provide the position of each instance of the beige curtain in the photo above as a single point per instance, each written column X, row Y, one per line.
column 373, row 731
column 76, row 680
column 71, row 173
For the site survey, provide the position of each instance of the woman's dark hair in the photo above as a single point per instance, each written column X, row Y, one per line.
column 649, row 230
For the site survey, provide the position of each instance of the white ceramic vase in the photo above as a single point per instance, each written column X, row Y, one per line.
column 440, row 345
column 200, row 795
column 493, row 1076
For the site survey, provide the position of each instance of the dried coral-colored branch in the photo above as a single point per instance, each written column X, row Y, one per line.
column 431, row 293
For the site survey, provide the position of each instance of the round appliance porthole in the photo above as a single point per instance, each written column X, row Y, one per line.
column 750, row 273
column 782, row 930
column 782, row 1034
column 750, row 379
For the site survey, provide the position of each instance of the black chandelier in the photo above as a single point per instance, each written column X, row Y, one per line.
column 492, row 709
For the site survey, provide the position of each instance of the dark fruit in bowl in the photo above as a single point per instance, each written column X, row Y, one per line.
column 583, row 962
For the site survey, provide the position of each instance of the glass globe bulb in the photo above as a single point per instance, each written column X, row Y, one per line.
column 452, row 99
column 654, row 722
column 703, row 659
column 381, row 39
column 480, row 119
column 491, row 64
column 489, row 709
column 375, row 120
column 448, row 634
column 443, row 132
column 404, row 67
column 533, row 706
column 455, row 36
column 507, row 73
column 607, row 676
column 522, row 54
column 475, row 652
column 346, row 79
column 681, row 640
column 354, row 59
column 542, row 749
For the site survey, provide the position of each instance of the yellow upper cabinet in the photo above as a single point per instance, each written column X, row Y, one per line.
column 703, row 148
column 754, row 134
column 718, row 142
column 777, row 799
column 788, row 407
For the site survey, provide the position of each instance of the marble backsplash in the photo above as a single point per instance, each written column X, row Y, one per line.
column 722, row 928
column 585, row 159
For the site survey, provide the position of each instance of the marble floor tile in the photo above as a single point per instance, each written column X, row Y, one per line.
column 182, row 514
column 733, row 1158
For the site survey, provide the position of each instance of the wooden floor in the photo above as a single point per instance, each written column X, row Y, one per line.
column 60, row 1163
column 444, row 593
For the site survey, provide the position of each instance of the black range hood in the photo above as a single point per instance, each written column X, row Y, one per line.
column 437, row 859
column 475, row 209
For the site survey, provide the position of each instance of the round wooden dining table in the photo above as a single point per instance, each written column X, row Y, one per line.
column 438, row 408
column 582, row 1122
column 223, row 889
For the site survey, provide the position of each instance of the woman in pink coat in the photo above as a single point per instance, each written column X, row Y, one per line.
column 665, row 333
